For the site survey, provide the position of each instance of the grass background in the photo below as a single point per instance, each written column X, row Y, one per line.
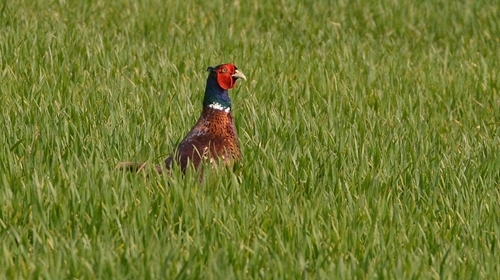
column 369, row 129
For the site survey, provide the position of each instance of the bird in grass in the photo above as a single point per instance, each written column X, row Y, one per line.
column 213, row 138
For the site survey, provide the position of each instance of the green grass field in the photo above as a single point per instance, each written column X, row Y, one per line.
column 369, row 131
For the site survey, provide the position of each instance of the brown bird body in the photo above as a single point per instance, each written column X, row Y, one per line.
column 213, row 138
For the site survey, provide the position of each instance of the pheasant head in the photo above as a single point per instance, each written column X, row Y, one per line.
column 221, row 78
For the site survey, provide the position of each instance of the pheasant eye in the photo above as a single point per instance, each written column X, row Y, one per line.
column 224, row 70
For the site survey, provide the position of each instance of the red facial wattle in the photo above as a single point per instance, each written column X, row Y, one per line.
column 224, row 78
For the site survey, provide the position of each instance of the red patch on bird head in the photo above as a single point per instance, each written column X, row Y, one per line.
column 224, row 75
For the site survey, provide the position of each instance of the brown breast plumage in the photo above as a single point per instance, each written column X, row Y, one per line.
column 212, row 139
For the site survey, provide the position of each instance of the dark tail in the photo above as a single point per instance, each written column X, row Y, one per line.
column 136, row 167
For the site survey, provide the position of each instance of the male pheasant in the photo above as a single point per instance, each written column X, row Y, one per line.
column 213, row 138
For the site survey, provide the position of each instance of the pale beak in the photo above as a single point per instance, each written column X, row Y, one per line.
column 238, row 74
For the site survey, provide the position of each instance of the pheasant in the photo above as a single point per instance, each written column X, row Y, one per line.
column 213, row 138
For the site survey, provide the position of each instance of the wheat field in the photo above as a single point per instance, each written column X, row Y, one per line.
column 369, row 132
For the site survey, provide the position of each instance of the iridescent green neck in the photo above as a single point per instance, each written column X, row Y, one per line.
column 215, row 96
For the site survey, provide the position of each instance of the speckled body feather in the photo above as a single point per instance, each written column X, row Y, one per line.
column 213, row 139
